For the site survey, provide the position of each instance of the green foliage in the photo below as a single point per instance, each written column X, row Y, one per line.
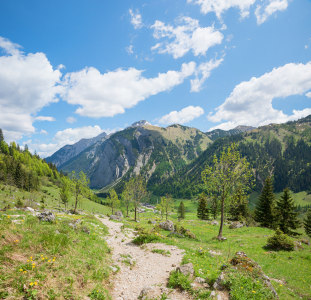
column 1, row 135
column 203, row 211
column 265, row 207
column 238, row 207
column 161, row 251
column 286, row 215
column 181, row 211
column 113, row 200
column 145, row 236
column 19, row 202
column 166, row 205
column 307, row 223
column 280, row 241
column 243, row 287
column 179, row 280
column 228, row 175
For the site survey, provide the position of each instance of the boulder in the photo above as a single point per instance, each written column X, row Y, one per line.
column 214, row 222
column 186, row 269
column 218, row 284
column 145, row 291
column 46, row 216
column 199, row 280
column 119, row 214
column 167, row 225
column 235, row 225
column 114, row 217
column 29, row 209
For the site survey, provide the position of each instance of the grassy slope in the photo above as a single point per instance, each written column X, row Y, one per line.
column 75, row 263
column 295, row 271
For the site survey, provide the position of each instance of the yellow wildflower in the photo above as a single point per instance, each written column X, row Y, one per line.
column 21, row 270
column 35, row 283
column 31, row 283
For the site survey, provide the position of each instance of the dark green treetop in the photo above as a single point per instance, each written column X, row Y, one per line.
column 286, row 215
column 181, row 210
column 307, row 223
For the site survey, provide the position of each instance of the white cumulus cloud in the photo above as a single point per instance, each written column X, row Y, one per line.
column 129, row 49
column 136, row 18
column 308, row 95
column 27, row 83
column 43, row 131
column 250, row 103
column 183, row 116
column 42, row 118
column 71, row 120
column 220, row 6
column 186, row 36
column 105, row 95
column 204, row 69
column 262, row 12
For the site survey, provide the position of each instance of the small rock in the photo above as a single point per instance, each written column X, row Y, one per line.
column 186, row 269
column 29, row 209
column 57, row 232
column 218, row 283
column 214, row 222
column 235, row 225
column 119, row 214
column 114, row 269
column 167, row 225
column 206, row 285
column 46, row 216
column 199, row 280
column 145, row 291
column 173, row 265
column 213, row 294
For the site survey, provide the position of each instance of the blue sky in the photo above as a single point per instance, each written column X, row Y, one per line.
column 72, row 69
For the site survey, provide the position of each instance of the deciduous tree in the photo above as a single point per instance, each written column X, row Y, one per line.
column 227, row 175
column 113, row 200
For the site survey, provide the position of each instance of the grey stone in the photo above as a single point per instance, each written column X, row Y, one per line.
column 114, row 217
column 213, row 294
column 119, row 214
column 235, row 225
column 114, row 269
column 72, row 225
column 29, row 209
column 186, row 269
column 199, row 280
column 57, row 232
column 167, row 225
column 214, row 222
column 46, row 216
column 218, row 285
column 145, row 291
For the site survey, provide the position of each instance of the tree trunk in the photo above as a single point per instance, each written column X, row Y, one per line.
column 222, row 218
column 76, row 204
column 135, row 214
column 166, row 215
column 127, row 211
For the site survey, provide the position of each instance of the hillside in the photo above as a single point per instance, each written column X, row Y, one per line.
column 154, row 151
column 282, row 151
column 69, row 151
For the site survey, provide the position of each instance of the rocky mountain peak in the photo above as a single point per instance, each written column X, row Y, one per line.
column 139, row 123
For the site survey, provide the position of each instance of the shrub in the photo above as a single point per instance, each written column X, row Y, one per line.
column 179, row 280
column 280, row 241
column 144, row 236
column 19, row 202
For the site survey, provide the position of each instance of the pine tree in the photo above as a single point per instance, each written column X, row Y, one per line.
column 181, row 210
column 307, row 223
column 203, row 211
column 18, row 175
column 1, row 135
column 265, row 207
column 286, row 215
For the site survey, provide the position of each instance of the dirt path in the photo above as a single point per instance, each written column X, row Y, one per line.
column 143, row 267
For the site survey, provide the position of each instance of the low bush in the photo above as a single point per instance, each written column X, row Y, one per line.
column 179, row 280
column 280, row 241
column 145, row 236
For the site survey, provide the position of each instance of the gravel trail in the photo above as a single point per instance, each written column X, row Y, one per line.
column 143, row 267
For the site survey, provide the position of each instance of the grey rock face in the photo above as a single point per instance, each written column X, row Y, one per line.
column 46, row 216
column 167, row 225
column 186, row 269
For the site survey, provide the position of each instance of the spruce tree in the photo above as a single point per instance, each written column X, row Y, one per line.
column 307, row 223
column 1, row 135
column 181, row 211
column 265, row 207
column 286, row 215
column 202, row 211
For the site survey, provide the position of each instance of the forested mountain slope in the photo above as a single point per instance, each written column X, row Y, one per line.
column 282, row 151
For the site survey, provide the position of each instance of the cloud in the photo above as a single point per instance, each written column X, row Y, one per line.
column 105, row 95
column 205, row 70
column 129, row 49
column 250, row 103
column 185, row 37
column 41, row 118
column 271, row 6
column 43, row 131
column 229, row 37
column 184, row 116
column 71, row 120
column 308, row 95
column 136, row 19
column 68, row 136
column 220, row 6
column 28, row 83
column 306, row 46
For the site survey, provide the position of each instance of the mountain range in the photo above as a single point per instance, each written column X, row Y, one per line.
column 155, row 152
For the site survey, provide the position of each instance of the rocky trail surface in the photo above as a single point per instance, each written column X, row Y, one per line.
column 142, row 272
